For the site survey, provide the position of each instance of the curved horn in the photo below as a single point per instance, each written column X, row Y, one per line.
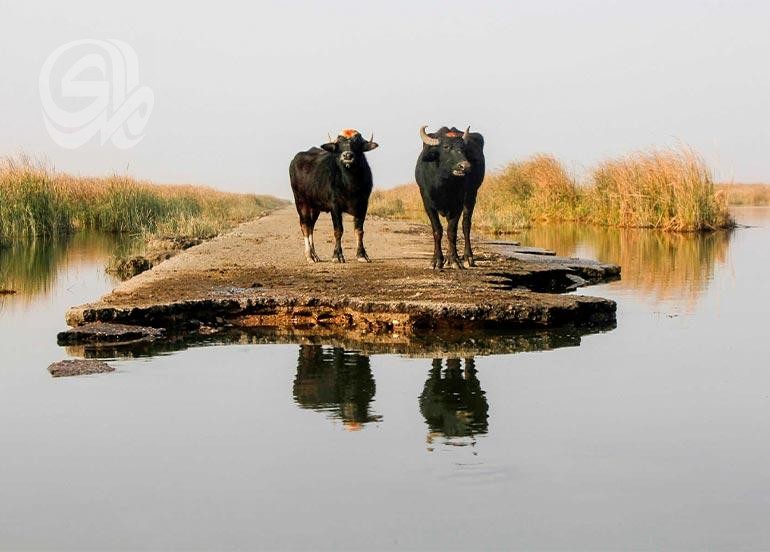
column 427, row 140
column 330, row 139
column 371, row 138
column 467, row 135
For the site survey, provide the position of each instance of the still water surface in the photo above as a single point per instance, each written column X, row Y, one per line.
column 655, row 434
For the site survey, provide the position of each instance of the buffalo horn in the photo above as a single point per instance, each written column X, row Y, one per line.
column 427, row 140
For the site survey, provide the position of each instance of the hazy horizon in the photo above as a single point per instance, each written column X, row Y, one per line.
column 239, row 89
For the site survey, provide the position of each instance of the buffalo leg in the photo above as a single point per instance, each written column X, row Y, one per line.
column 451, row 236
column 467, row 216
column 438, row 232
column 313, row 218
column 337, row 257
column 360, row 250
column 307, row 223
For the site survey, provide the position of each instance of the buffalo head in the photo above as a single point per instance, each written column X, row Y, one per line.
column 447, row 147
column 350, row 146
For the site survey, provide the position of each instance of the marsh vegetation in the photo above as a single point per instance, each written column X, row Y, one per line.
column 755, row 195
column 667, row 189
column 36, row 200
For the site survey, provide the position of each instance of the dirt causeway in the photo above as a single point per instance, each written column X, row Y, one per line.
column 257, row 275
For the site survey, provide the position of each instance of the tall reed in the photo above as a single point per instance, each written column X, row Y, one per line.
column 667, row 189
column 746, row 194
column 31, row 201
column 538, row 189
column 37, row 201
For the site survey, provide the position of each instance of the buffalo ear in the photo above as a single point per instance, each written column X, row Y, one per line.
column 430, row 154
column 331, row 147
column 369, row 146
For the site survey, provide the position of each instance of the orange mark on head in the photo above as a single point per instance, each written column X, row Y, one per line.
column 453, row 134
column 348, row 132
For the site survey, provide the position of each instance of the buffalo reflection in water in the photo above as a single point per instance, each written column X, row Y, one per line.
column 333, row 380
column 452, row 402
column 340, row 382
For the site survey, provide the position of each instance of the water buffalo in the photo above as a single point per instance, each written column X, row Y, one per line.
column 334, row 178
column 449, row 172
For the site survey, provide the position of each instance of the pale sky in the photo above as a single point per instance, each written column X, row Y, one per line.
column 240, row 87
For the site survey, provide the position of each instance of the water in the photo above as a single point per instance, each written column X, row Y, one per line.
column 651, row 435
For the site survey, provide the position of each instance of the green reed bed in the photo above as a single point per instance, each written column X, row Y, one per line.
column 37, row 201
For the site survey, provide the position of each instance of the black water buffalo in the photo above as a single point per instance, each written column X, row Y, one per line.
column 449, row 172
column 334, row 178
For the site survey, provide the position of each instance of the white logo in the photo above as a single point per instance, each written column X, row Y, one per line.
column 119, row 108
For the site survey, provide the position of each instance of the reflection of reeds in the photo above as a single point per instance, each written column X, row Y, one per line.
column 668, row 189
column 661, row 265
column 30, row 266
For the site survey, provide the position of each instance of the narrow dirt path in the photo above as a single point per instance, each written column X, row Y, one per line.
column 257, row 275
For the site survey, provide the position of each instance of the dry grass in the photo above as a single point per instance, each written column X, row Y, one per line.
column 538, row 189
column 746, row 194
column 672, row 190
column 37, row 201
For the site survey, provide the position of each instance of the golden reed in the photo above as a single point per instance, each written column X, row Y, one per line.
column 668, row 189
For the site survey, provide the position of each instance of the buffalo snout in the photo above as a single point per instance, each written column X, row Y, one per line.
column 347, row 157
column 462, row 168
